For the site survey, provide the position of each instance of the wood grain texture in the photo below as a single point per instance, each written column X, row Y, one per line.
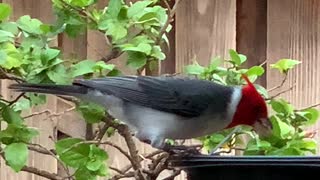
column 43, row 11
column 251, row 32
column 293, row 32
column 204, row 29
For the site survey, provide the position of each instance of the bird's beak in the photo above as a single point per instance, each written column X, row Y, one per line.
column 263, row 127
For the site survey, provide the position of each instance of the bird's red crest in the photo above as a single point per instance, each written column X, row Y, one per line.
column 245, row 77
column 251, row 107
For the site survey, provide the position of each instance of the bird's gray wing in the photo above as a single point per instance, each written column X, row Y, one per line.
column 185, row 97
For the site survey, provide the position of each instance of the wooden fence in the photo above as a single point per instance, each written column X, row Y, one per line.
column 264, row 30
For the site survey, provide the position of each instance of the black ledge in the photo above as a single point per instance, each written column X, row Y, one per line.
column 204, row 167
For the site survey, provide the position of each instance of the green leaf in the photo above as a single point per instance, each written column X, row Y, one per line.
column 236, row 59
column 101, row 65
column 136, row 60
column 311, row 115
column 194, row 69
column 5, row 11
column 142, row 47
column 91, row 112
column 262, row 90
column 82, row 68
column 11, row 116
column 17, row 133
column 243, row 58
column 137, row 8
column 114, row 7
column 16, row 155
column 51, row 53
column 157, row 53
column 22, row 104
column 255, row 71
column 81, row 3
column 114, row 72
column 58, row 74
column 97, row 158
column 117, row 31
column 12, row 57
column 258, row 145
column 218, row 79
column 214, row 63
column 283, row 65
column 281, row 106
column 37, row 99
column 6, row 36
column 285, row 151
column 280, row 128
column 84, row 174
column 149, row 17
column 103, row 171
column 10, row 27
column 29, row 25
column 72, row 152
column 306, row 145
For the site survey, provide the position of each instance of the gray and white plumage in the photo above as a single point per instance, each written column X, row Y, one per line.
column 156, row 108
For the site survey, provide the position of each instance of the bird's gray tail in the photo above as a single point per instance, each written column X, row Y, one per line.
column 69, row 90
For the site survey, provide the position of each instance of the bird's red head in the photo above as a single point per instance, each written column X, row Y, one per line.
column 252, row 109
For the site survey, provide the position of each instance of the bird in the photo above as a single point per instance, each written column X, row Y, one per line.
column 157, row 108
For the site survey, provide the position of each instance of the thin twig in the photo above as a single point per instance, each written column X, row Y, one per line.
column 116, row 170
column 308, row 107
column 16, row 99
column 36, row 171
column 281, row 84
column 227, row 138
column 39, row 148
column 5, row 75
column 50, row 113
column 42, row 173
column 124, row 132
column 171, row 13
column 281, row 92
column 127, row 175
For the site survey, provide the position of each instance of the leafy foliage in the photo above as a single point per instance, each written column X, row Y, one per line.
column 289, row 136
column 26, row 54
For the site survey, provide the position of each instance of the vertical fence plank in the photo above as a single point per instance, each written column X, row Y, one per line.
column 204, row 29
column 43, row 11
column 293, row 32
column 251, row 32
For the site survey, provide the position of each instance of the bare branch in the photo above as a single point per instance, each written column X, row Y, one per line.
column 171, row 13
column 127, row 175
column 311, row 106
column 42, row 173
column 5, row 75
column 36, row 171
column 113, row 54
column 227, row 138
column 107, row 123
column 46, row 111
column 281, row 92
column 173, row 175
column 281, row 84
column 38, row 148
column 16, row 99
column 50, row 113
column 116, row 170
column 41, row 149
column 124, row 131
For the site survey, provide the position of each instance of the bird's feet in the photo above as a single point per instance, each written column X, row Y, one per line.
column 181, row 149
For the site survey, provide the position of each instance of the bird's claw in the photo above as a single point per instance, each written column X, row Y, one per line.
column 174, row 149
